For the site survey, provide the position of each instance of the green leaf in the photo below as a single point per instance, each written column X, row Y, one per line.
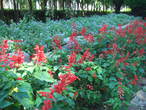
column 59, row 97
column 70, row 102
column 23, row 98
column 3, row 95
column 38, row 101
column 4, row 104
column 24, row 95
column 43, row 76
column 112, row 84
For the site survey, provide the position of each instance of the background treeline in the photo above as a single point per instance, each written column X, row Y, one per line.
column 57, row 9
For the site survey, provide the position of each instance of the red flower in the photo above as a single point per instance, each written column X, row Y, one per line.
column 103, row 29
column 126, row 64
column 72, row 59
column 39, row 56
column 72, row 37
column 94, row 75
column 141, row 52
column 59, row 87
column 19, row 78
column 47, row 105
column 83, row 32
column 57, row 42
column 86, row 54
column 135, row 77
column 89, row 37
column 17, row 59
column 75, row 94
column 88, row 69
column 135, row 64
column 68, row 78
column 115, row 46
column 134, row 82
column 90, row 87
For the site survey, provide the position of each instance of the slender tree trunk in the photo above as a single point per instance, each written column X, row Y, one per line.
column 61, row 4
column 1, row 9
column 1, row 5
column 55, row 4
column 44, row 4
column 68, row 3
column 118, row 4
column 30, row 5
column 14, row 4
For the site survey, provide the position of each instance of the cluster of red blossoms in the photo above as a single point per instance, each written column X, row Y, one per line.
column 57, row 41
column 11, row 60
column 86, row 56
column 39, row 56
column 65, row 80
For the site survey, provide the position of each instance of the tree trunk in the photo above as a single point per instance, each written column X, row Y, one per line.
column 14, row 4
column 44, row 4
column 68, row 3
column 61, row 4
column 1, row 5
column 118, row 4
column 1, row 9
column 30, row 5
column 55, row 4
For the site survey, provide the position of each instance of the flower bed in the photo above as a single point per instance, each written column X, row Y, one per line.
column 101, row 72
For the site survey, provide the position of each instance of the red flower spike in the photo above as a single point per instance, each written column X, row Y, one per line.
column 72, row 59
column 115, row 46
column 47, row 105
column 19, row 78
column 39, row 56
column 57, row 42
column 135, row 77
column 83, row 32
column 141, row 52
column 103, row 29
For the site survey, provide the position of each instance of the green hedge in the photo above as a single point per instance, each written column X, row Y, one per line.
column 9, row 15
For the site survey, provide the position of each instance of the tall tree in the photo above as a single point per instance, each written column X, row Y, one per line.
column 1, row 4
column 44, row 4
column 30, row 5
column 118, row 4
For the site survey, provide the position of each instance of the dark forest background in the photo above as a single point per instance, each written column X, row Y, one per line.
column 14, row 10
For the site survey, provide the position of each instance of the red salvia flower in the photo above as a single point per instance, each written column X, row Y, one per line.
column 47, row 105
column 72, row 37
column 19, row 78
column 115, row 46
column 89, row 37
column 141, row 52
column 39, row 56
column 103, row 29
column 83, row 31
column 135, row 77
column 94, row 75
column 57, row 42
column 86, row 54
column 88, row 69
column 134, row 82
column 72, row 59
column 16, row 59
